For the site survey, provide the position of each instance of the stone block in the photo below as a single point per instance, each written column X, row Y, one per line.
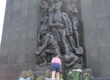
column 88, row 13
column 15, row 20
column 33, row 11
column 8, row 79
column 32, row 33
column 107, row 5
column 7, row 25
column 20, row 58
column 22, row 47
column 9, row 5
column 3, row 52
column 98, row 79
column 3, row 60
column 86, row 2
column 24, row 4
column 24, row 23
column 105, row 64
column 33, row 3
column 4, row 45
column 8, row 16
column 33, row 23
column 13, row 36
column 90, row 25
column 91, row 38
column 101, row 15
column 24, row 12
column 104, row 52
column 11, row 59
column 103, row 37
column 99, row 6
column 102, row 23
column 2, row 72
column 30, row 58
column 15, row 14
column 31, row 47
column 94, row 64
column 92, row 52
column 11, row 71
column 22, row 34
column 5, row 35
column 13, row 47
column 16, row 5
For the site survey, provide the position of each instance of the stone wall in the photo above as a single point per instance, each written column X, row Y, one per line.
column 19, row 41
column 96, row 19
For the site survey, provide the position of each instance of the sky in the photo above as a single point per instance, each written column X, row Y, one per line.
column 2, row 12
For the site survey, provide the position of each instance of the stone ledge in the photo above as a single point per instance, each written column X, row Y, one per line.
column 108, row 78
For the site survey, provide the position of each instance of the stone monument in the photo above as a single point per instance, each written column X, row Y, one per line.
column 78, row 30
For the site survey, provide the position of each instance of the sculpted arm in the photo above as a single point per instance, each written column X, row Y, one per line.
column 55, row 24
column 51, row 20
column 45, row 43
column 74, row 9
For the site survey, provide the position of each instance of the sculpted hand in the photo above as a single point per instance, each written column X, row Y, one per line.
column 37, row 53
column 61, row 25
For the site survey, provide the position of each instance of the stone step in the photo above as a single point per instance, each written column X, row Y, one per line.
column 108, row 78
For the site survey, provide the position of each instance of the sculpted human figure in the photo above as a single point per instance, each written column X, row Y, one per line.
column 61, row 21
column 70, row 59
column 72, row 12
column 56, row 21
column 51, row 6
column 44, row 8
column 49, row 45
column 69, row 31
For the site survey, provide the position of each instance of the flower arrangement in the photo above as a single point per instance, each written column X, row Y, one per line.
column 30, row 74
column 87, row 76
column 61, row 77
column 75, row 74
column 40, row 78
column 48, row 73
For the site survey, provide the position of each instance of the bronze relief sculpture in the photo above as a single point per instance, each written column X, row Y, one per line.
column 58, row 33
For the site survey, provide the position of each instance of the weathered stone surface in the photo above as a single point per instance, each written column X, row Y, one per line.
column 95, row 14
column 24, row 12
column 22, row 47
column 33, row 3
column 20, row 58
column 9, row 6
column 99, row 6
column 31, row 47
column 103, row 23
column 3, row 60
column 104, row 52
column 30, row 58
column 103, row 36
column 16, row 5
column 13, row 47
column 3, row 72
column 19, row 38
column 24, row 3
column 11, row 59
column 104, row 64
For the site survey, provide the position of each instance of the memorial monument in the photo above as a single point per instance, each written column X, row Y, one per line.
column 35, row 30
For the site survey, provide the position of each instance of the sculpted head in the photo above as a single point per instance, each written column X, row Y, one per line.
column 43, row 29
column 44, row 6
column 68, row 57
column 58, row 6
